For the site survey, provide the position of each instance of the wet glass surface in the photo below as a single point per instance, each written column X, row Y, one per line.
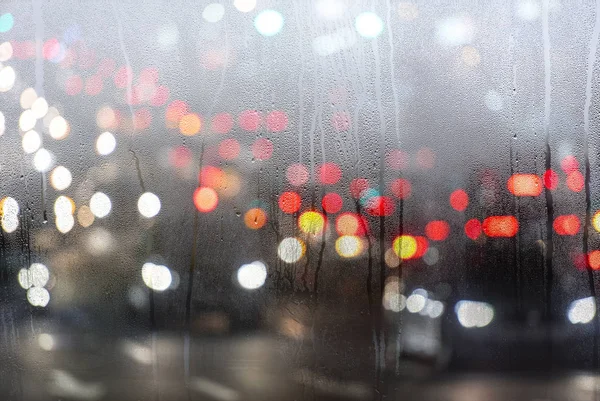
column 320, row 199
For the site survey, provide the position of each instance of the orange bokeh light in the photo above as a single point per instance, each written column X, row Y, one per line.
column 205, row 199
column 524, row 185
column 350, row 224
column 593, row 260
column 567, row 225
column 500, row 226
column 575, row 181
column 190, row 124
column 289, row 202
column 255, row 218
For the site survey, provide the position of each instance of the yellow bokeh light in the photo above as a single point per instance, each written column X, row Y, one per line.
column 190, row 124
column 405, row 246
column 311, row 222
column 596, row 221
column 348, row 246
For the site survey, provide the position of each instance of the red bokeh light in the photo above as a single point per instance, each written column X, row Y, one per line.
column 123, row 76
column 332, row 203
column 397, row 159
column 222, row 123
column 500, row 226
column 358, row 186
column 297, row 174
column 524, row 185
column 340, row 121
column 93, row 85
column 422, row 246
column 437, row 230
column 262, row 149
column 160, row 96
column 250, row 120
column 211, row 176
column 425, row 158
column 473, row 229
column 569, row 164
column 575, row 181
column 400, row 188
column 149, row 75
column 276, row 121
column 567, row 224
column 380, row 206
column 180, row 157
column 551, row 179
column 73, row 85
column 459, row 200
column 175, row 110
column 329, row 173
column 229, row 149
column 289, row 202
column 51, row 49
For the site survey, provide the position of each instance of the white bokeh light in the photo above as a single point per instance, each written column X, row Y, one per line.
column 6, row 51
column 213, row 12
column 148, row 204
column 105, row 143
column 330, row 9
column 415, row 302
column 7, row 78
column 244, row 6
column 252, row 276
column 528, row 10
column 473, row 313
column 38, row 296
column 2, row 123
column 27, row 120
column 493, row 100
column 65, row 223
column 269, row 22
column 60, row 178
column 31, row 141
column 39, row 108
column 100, row 204
column 156, row 277
column 455, row 31
column 43, row 160
column 368, row 25
column 290, row 250
column 582, row 310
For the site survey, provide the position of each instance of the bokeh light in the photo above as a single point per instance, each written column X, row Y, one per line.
column 329, row 173
column 593, row 259
column 397, row 159
column 213, row 12
column 405, row 246
column 85, row 217
column 244, row 6
column 190, row 124
column 268, row 22
column 297, row 174
column 348, row 246
column 6, row 51
column 250, row 120
column 379, row 206
column 291, row 250
column 358, row 186
column 100, row 204
column 39, row 108
column 255, row 218
column 567, row 224
column 43, row 160
column 332, row 203
column 596, row 221
column 368, row 25
column 37, row 296
column 156, row 277
column 437, row 230
column 63, row 205
column 7, row 78
column 276, row 121
column 582, row 311
column 455, row 31
column 229, row 149
column 289, row 202
column 27, row 120
column 148, row 204
column 59, row 128
column 524, row 185
column 350, row 224
column 7, row 21
column 222, row 123
column 205, row 199
column 252, row 276
column 459, row 200
column 551, row 179
column 473, row 229
column 311, row 222
column 36, row 276
column 500, row 226
column 105, row 143
column 27, row 98
column 474, row 314
column 569, row 164
column 575, row 181
column 31, row 141
column 262, row 149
